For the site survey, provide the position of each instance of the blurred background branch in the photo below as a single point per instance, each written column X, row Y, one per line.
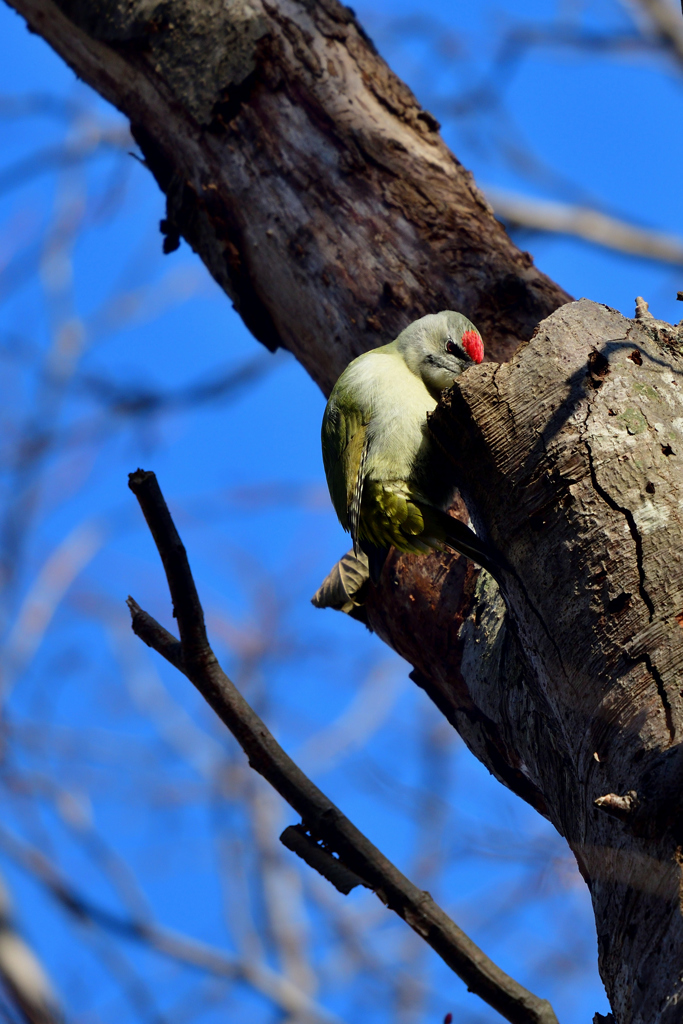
column 23, row 975
column 517, row 211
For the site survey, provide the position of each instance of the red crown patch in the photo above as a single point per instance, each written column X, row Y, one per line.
column 473, row 345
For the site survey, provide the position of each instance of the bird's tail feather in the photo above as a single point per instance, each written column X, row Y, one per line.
column 376, row 557
column 345, row 586
column 463, row 540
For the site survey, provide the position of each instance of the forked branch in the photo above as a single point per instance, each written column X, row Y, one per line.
column 322, row 820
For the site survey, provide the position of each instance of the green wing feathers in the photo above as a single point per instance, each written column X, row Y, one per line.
column 343, row 443
column 390, row 517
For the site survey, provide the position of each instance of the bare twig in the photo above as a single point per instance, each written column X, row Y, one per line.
column 322, row 819
column 22, row 974
column 582, row 222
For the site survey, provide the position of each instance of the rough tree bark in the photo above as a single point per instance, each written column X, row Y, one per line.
column 323, row 200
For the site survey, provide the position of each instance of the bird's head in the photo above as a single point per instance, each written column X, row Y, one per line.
column 438, row 347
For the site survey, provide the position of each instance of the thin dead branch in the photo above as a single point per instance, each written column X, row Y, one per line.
column 193, row 656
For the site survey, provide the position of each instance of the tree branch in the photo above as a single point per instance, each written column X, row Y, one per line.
column 193, row 656
column 303, row 172
column 582, row 222
column 569, row 458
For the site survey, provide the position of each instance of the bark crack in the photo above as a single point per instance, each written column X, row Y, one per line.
column 633, row 528
column 500, row 396
column 645, row 658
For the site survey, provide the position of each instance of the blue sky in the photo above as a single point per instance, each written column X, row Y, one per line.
column 244, row 478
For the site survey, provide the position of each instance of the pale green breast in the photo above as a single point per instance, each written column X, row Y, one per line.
column 396, row 431
column 376, row 416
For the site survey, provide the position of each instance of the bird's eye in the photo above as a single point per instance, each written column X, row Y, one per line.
column 451, row 347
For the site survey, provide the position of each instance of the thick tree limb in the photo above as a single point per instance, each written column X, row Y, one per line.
column 570, row 462
column 305, row 174
column 325, row 822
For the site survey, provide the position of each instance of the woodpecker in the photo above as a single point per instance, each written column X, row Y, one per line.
column 384, row 472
